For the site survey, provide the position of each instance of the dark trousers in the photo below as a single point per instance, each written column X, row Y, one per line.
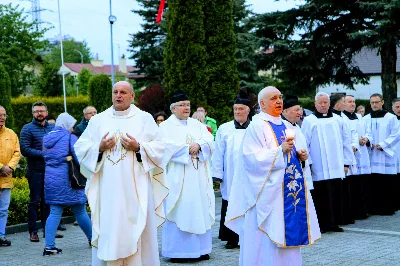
column 358, row 196
column 396, row 185
column 347, row 216
column 36, row 196
column 226, row 234
column 381, row 194
column 322, row 195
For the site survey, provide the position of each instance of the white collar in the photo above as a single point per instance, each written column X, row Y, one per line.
column 277, row 120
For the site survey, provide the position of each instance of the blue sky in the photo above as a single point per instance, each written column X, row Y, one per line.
column 88, row 20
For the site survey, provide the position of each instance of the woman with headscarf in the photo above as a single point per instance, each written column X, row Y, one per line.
column 57, row 145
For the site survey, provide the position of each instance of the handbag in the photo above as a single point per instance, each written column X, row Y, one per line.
column 76, row 179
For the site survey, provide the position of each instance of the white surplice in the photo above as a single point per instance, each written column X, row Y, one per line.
column 256, row 204
column 385, row 131
column 352, row 132
column 190, row 206
column 125, row 196
column 362, row 153
column 328, row 142
column 227, row 147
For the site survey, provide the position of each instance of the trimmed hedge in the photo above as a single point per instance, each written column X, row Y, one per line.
column 22, row 107
column 18, row 210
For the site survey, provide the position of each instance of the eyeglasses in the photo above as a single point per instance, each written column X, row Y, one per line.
column 91, row 113
column 3, row 116
column 183, row 105
column 39, row 111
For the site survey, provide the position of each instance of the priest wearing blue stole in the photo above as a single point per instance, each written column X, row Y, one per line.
column 270, row 205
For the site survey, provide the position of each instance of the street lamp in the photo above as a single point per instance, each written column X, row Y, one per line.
column 77, row 51
column 62, row 58
column 112, row 19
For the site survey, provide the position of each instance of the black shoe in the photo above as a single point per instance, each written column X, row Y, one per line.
column 61, row 227
column 51, row 251
column 4, row 242
column 205, row 257
column 33, row 237
column 59, row 236
column 90, row 243
column 230, row 245
column 337, row 229
column 178, row 260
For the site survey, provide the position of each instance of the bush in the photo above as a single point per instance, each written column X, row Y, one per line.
column 23, row 107
column 152, row 99
column 100, row 92
column 5, row 95
column 18, row 210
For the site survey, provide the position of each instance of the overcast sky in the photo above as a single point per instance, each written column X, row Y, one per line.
column 88, row 20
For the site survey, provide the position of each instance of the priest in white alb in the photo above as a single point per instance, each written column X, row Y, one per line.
column 396, row 111
column 270, row 205
column 190, row 206
column 227, row 148
column 385, row 134
column 121, row 154
column 331, row 155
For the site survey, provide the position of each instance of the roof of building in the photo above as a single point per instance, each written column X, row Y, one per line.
column 369, row 61
column 105, row 69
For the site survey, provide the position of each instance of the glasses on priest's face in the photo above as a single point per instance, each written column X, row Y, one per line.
column 184, row 105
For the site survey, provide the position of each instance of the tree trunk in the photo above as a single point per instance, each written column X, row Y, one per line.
column 388, row 61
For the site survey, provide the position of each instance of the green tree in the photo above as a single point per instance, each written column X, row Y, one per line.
column 83, row 79
column 100, row 92
column 186, row 53
column 70, row 50
column 223, row 78
column 5, row 92
column 147, row 45
column 49, row 82
column 20, row 42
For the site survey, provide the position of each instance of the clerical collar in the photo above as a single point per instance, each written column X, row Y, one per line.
column 122, row 113
column 243, row 126
column 378, row 114
column 339, row 113
column 351, row 116
column 284, row 118
column 320, row 115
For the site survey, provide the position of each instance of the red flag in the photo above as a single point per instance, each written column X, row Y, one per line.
column 160, row 11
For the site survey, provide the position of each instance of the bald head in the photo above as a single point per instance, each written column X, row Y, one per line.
column 270, row 101
column 124, row 84
column 122, row 95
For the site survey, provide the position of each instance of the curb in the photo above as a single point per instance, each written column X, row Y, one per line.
column 20, row 228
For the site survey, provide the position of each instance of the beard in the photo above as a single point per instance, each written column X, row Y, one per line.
column 39, row 119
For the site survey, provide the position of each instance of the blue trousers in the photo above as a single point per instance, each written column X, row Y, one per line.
column 5, row 195
column 54, row 220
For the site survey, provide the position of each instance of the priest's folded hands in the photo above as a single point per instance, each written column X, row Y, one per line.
column 107, row 143
column 130, row 143
column 194, row 149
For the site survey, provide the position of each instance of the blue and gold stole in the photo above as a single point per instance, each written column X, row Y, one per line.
column 295, row 200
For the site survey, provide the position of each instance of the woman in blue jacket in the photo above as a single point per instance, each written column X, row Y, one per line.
column 57, row 145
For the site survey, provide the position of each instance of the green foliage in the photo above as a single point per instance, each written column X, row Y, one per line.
column 100, row 92
column 19, row 45
column 147, row 45
column 223, row 78
column 5, row 99
column 55, row 107
column 186, row 53
column 70, row 48
column 83, row 79
column 49, row 82
column 18, row 209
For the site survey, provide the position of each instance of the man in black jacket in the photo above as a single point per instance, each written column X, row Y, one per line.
column 31, row 142
column 88, row 112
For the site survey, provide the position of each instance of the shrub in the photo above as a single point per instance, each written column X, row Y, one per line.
column 23, row 107
column 152, row 99
column 18, row 210
column 5, row 95
column 100, row 92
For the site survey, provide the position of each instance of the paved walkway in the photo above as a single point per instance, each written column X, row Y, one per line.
column 375, row 241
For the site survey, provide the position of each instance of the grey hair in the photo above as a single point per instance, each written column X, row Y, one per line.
column 84, row 109
column 393, row 102
column 2, row 107
column 262, row 93
column 172, row 105
column 319, row 94
column 124, row 83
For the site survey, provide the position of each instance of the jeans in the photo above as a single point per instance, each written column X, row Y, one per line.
column 54, row 220
column 36, row 195
column 5, row 195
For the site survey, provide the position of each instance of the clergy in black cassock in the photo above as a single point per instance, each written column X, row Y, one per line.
column 227, row 144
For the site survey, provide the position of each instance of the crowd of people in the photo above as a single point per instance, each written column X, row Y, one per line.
column 285, row 177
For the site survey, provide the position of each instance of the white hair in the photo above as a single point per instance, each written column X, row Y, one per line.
column 319, row 94
column 262, row 93
column 172, row 105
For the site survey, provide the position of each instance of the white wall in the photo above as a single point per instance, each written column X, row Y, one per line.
column 361, row 91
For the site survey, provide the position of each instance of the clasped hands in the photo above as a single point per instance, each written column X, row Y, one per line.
column 287, row 147
column 5, row 171
column 194, row 149
column 128, row 142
